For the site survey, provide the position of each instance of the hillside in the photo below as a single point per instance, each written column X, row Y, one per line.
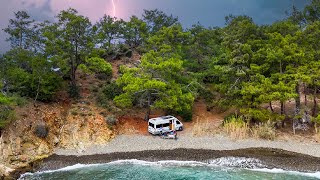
column 72, row 83
column 82, row 123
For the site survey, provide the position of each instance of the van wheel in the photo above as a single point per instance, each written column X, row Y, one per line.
column 180, row 128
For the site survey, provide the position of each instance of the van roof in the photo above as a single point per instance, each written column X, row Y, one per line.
column 167, row 117
column 161, row 119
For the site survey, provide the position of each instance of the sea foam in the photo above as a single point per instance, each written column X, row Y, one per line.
column 314, row 175
column 230, row 162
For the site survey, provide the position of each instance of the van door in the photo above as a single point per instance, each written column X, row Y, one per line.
column 171, row 124
column 178, row 125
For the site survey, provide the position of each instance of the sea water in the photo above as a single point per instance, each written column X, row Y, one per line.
column 221, row 168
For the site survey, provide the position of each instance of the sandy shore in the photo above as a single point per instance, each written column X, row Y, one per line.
column 132, row 143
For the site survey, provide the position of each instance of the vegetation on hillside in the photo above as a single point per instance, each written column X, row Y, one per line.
column 241, row 65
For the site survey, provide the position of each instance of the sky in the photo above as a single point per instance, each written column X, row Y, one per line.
column 206, row 12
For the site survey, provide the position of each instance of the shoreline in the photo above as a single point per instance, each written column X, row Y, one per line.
column 270, row 158
column 286, row 155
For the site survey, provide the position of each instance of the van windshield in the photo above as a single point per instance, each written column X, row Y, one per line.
column 150, row 124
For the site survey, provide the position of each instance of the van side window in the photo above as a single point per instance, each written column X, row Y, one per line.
column 150, row 124
column 166, row 125
column 178, row 122
column 158, row 125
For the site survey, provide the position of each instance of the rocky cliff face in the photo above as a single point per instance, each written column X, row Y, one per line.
column 70, row 125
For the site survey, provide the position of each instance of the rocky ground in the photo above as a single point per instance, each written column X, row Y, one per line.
column 132, row 143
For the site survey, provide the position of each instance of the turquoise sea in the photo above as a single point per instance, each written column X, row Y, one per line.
column 222, row 168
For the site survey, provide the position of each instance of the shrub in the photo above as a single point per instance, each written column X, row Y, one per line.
column 111, row 120
column 108, row 93
column 6, row 115
column 97, row 66
column 316, row 121
column 111, row 90
column 18, row 100
column 264, row 131
column 262, row 115
column 102, row 100
column 41, row 130
column 74, row 91
column 186, row 115
column 236, row 127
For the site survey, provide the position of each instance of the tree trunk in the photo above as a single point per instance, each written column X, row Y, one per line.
column 20, row 43
column 109, row 43
column 282, row 109
column 283, row 112
column 271, row 108
column 293, row 128
column 146, row 118
column 297, row 100
column 37, row 94
column 73, row 73
column 315, row 105
column 305, row 94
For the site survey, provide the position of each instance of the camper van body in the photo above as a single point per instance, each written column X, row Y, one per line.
column 164, row 124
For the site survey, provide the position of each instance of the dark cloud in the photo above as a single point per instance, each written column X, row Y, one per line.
column 37, row 11
column 207, row 12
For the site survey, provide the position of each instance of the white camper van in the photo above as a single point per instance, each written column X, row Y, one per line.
column 164, row 124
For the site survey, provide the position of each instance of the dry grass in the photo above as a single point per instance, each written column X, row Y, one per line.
column 236, row 128
column 202, row 128
column 264, row 131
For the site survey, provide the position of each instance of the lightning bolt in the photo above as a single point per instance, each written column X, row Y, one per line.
column 114, row 8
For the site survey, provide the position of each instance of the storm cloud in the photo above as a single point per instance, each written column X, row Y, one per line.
column 207, row 12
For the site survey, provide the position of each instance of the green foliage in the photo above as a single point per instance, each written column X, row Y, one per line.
column 74, row 91
column 71, row 41
column 6, row 116
column 108, row 93
column 259, row 114
column 186, row 114
column 111, row 90
column 242, row 65
column 156, row 19
column 21, row 30
column 156, row 83
column 135, row 32
column 6, row 112
column 107, row 30
column 173, row 37
column 205, row 44
column 316, row 119
column 30, row 74
column 97, row 65
column 312, row 12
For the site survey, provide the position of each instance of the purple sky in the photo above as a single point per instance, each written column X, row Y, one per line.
column 207, row 12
